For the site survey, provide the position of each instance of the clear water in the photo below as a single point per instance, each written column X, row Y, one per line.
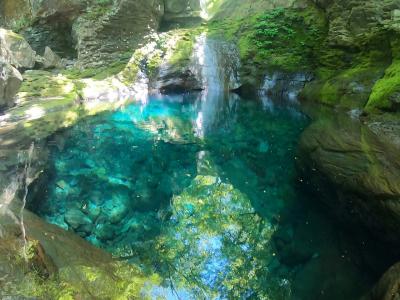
column 201, row 189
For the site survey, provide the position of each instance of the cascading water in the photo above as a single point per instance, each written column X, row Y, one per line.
column 216, row 63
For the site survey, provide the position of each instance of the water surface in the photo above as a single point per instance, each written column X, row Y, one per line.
column 201, row 189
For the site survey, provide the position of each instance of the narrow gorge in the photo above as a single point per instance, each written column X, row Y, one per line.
column 200, row 149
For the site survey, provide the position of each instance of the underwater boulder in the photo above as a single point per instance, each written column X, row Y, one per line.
column 76, row 219
column 388, row 287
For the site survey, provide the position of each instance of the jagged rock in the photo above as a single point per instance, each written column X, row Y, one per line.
column 10, row 81
column 122, row 27
column 62, row 8
column 360, row 168
column 388, row 287
column 15, row 50
column 286, row 85
column 353, row 22
column 51, row 59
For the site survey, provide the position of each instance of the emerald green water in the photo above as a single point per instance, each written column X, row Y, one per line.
column 203, row 191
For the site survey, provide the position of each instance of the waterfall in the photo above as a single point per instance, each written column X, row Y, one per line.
column 204, row 9
column 216, row 64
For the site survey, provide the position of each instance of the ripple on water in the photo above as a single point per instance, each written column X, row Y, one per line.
column 204, row 196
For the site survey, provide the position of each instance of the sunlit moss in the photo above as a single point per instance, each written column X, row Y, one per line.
column 386, row 92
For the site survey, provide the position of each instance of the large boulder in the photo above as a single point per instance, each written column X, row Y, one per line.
column 57, row 264
column 15, row 50
column 357, row 173
column 10, row 82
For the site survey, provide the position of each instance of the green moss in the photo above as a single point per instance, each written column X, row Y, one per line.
column 114, row 280
column 99, row 73
column 21, row 23
column 282, row 39
column 183, row 49
column 386, row 92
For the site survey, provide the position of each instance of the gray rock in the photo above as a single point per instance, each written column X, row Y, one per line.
column 10, row 82
column 77, row 219
column 51, row 59
column 15, row 50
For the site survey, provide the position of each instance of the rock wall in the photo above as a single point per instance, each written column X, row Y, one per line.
column 358, row 51
column 101, row 36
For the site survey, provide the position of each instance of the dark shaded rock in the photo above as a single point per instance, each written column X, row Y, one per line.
column 356, row 167
column 388, row 287
column 56, row 34
column 103, row 38
column 280, row 85
column 104, row 232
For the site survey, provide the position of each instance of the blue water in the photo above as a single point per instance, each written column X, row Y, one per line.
column 203, row 191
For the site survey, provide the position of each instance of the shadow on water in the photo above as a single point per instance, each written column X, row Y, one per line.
column 202, row 189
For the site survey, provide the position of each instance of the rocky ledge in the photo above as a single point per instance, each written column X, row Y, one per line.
column 359, row 168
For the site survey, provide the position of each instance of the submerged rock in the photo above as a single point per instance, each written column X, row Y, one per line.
column 77, row 219
column 388, row 287
column 358, row 167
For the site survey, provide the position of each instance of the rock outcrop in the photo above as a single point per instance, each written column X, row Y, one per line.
column 15, row 50
column 10, row 82
column 57, row 263
column 359, row 55
column 102, row 35
column 359, row 173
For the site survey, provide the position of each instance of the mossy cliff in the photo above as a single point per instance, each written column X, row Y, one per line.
column 348, row 47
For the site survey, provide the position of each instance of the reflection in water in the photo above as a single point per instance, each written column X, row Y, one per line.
column 200, row 189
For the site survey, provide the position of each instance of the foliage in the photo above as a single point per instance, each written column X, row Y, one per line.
column 283, row 39
column 21, row 23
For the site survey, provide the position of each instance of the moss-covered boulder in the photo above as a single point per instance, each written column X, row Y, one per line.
column 15, row 50
column 47, row 262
